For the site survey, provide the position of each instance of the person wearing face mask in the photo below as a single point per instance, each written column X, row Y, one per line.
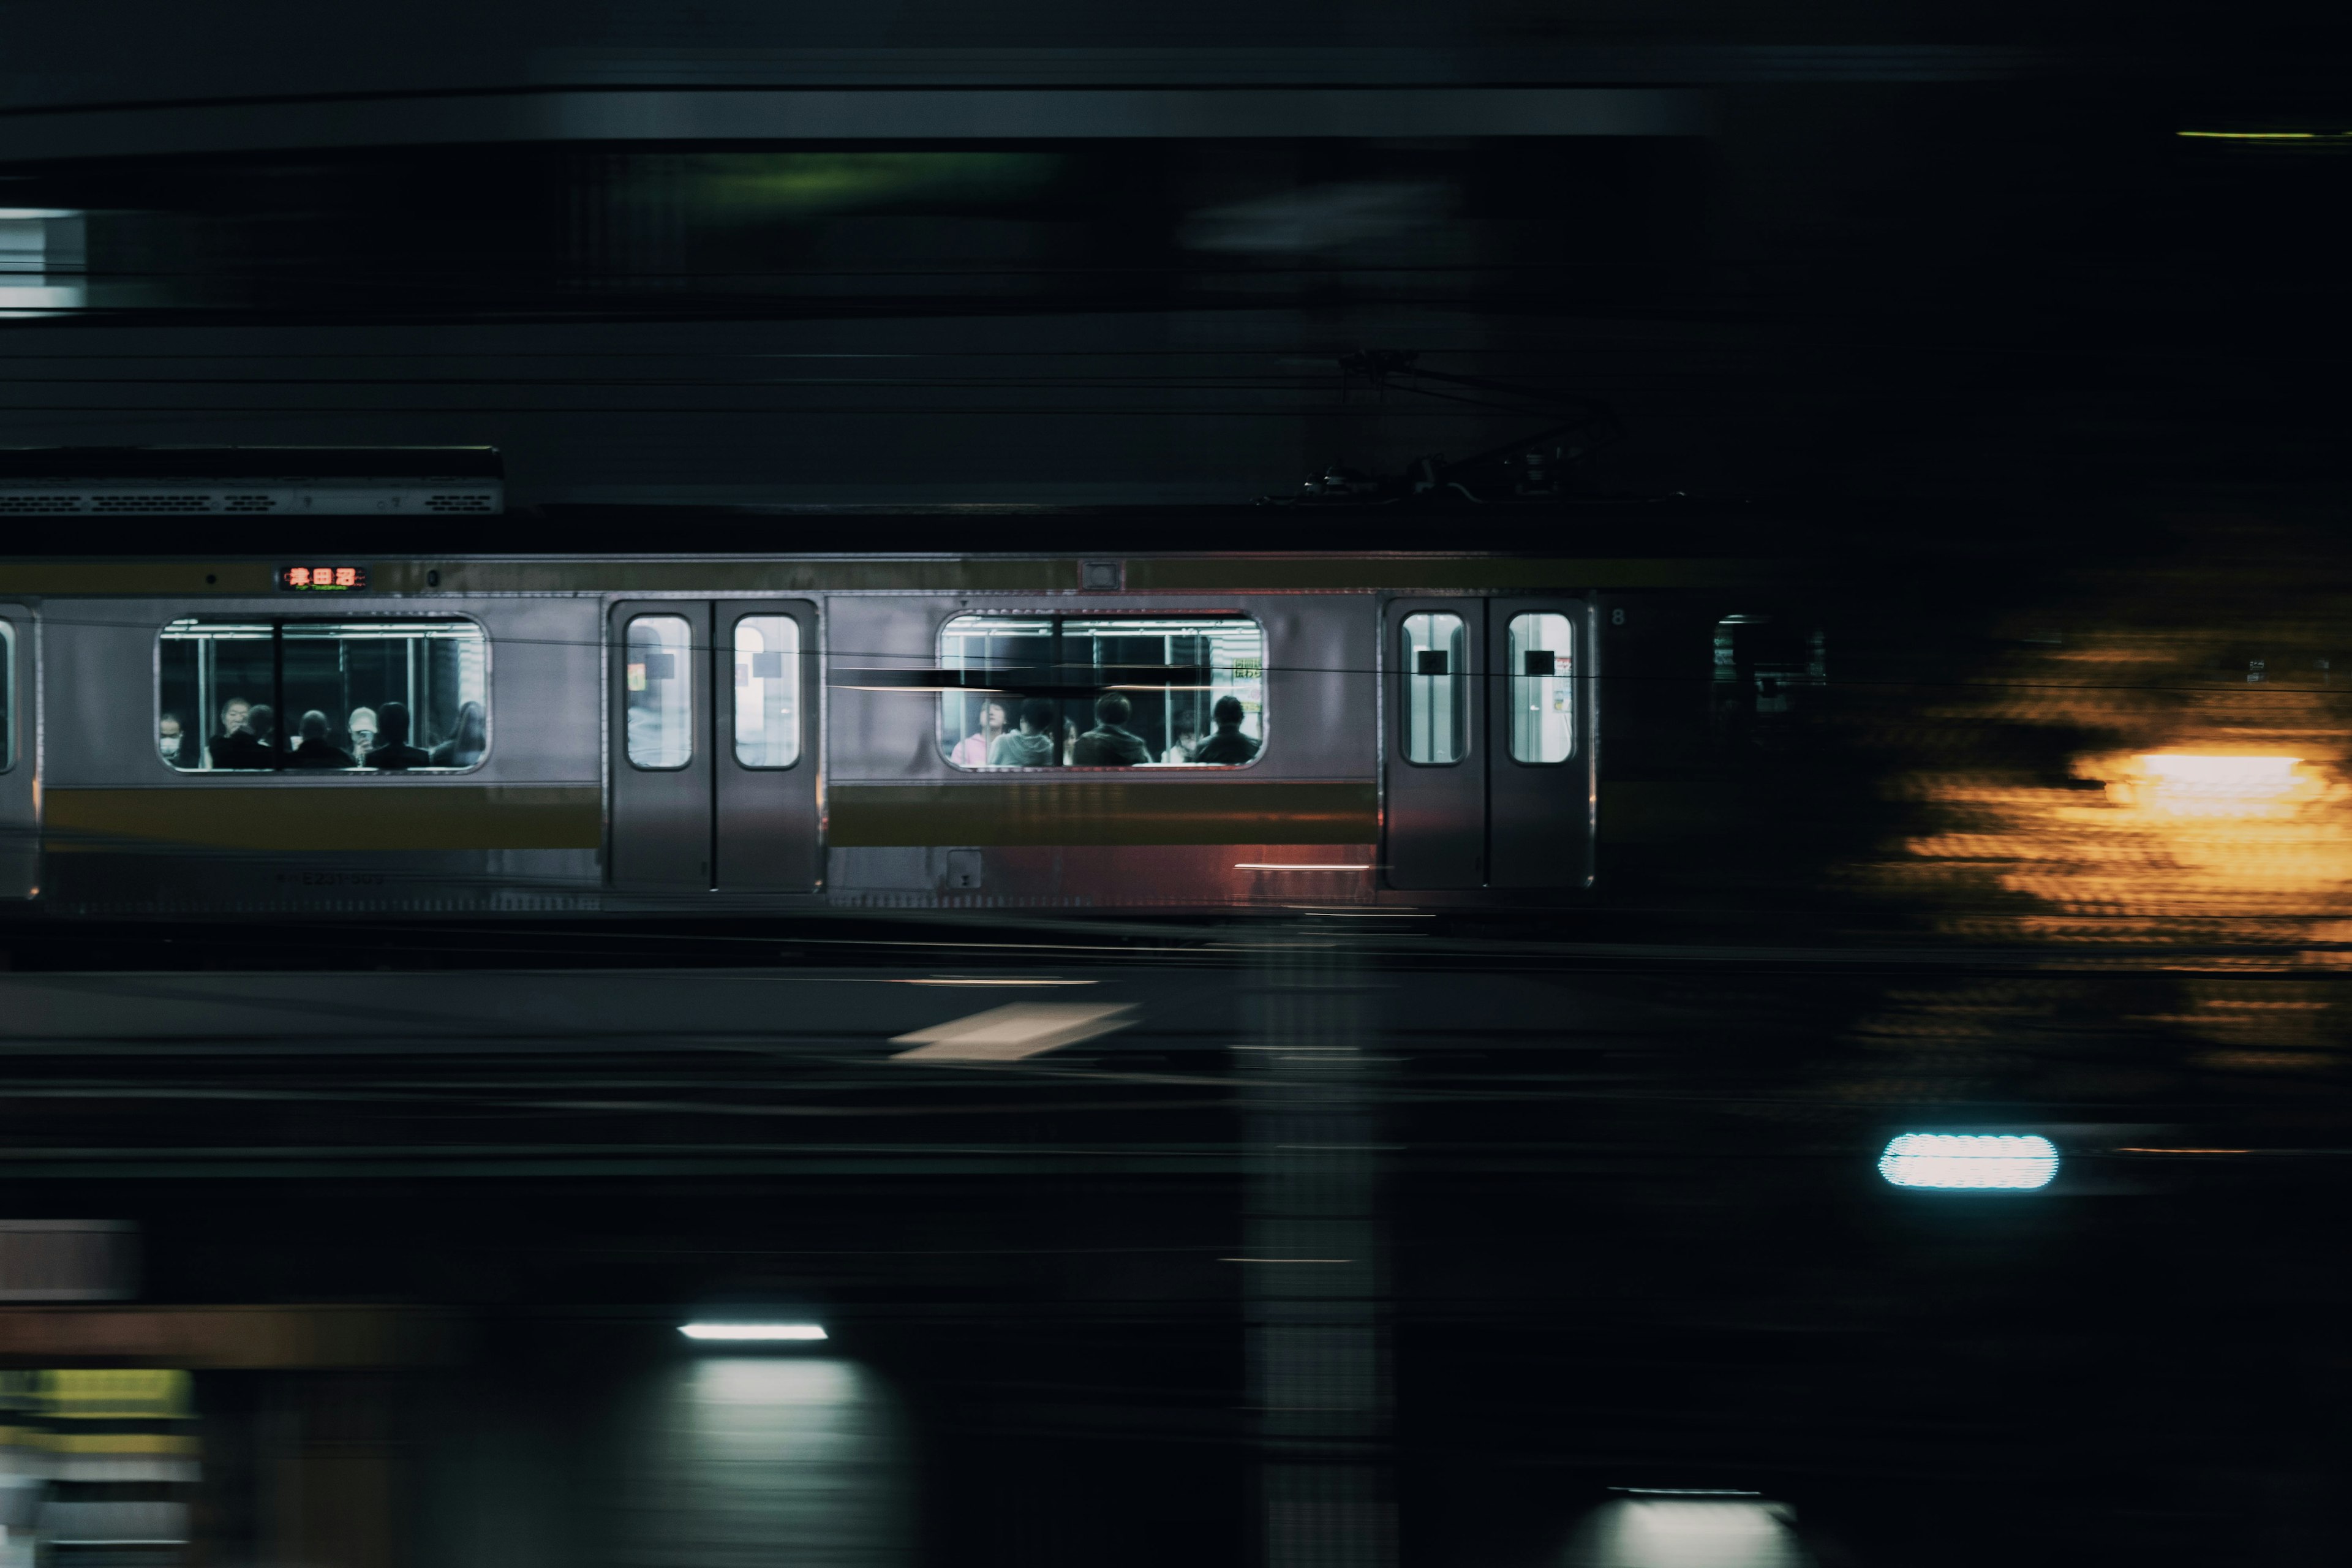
column 178, row 747
column 362, row 729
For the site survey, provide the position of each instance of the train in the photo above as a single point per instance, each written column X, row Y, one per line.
column 467, row 718
column 325, row 732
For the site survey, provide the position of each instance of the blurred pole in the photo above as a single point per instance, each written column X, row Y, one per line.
column 1313, row 1301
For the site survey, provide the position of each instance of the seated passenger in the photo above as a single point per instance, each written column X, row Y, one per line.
column 464, row 749
column 177, row 747
column 392, row 749
column 1109, row 744
column 1031, row 745
column 316, row 751
column 246, row 742
column 362, row 729
column 1228, row 746
column 972, row 751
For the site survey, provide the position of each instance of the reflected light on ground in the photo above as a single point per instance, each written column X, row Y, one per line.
column 798, row 1459
column 1969, row 1163
column 1687, row 1533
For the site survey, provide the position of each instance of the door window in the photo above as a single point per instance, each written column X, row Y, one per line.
column 767, row 691
column 659, row 675
column 1543, row 688
column 1436, row 706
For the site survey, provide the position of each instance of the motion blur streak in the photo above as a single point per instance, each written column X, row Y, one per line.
column 1967, row 1162
column 751, row 1330
column 1687, row 1534
column 1009, row 1033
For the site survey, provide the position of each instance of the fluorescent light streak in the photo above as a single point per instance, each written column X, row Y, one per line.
column 2198, row 770
column 1685, row 1491
column 1014, row 1031
column 1969, row 1161
column 22, row 215
column 752, row 1332
column 1275, row 865
column 2267, row 135
column 1285, row 1260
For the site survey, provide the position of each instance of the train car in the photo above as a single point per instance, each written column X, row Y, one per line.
column 538, row 734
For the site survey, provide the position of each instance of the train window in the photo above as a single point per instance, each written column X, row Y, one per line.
column 767, row 691
column 1160, row 691
column 660, row 696
column 374, row 696
column 7, row 697
column 1436, row 689
column 1543, row 689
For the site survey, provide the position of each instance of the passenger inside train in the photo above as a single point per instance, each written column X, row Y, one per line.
column 316, row 751
column 244, row 740
column 1031, row 745
column 1228, row 745
column 1111, row 744
column 972, row 751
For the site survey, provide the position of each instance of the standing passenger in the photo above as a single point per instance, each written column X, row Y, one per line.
column 464, row 749
column 391, row 747
column 1030, row 746
column 972, row 751
column 316, row 751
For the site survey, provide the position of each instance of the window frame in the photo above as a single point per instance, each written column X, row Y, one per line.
column 1466, row 696
column 946, row 748
column 277, row 622
column 687, row 664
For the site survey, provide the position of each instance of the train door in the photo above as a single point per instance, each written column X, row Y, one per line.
column 20, row 815
column 1436, row 795
column 714, row 746
column 765, row 756
column 1488, row 765
column 1542, row 790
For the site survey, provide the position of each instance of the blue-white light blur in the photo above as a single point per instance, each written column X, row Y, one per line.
column 752, row 1332
column 1969, row 1161
column 1693, row 1531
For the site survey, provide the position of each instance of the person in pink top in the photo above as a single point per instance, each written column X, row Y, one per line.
column 972, row 751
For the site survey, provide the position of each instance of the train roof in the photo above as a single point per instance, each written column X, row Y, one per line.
column 1644, row 526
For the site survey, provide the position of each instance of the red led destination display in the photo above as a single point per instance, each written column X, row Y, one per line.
column 323, row 579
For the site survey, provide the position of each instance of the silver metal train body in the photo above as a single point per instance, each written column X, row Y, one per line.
column 731, row 733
